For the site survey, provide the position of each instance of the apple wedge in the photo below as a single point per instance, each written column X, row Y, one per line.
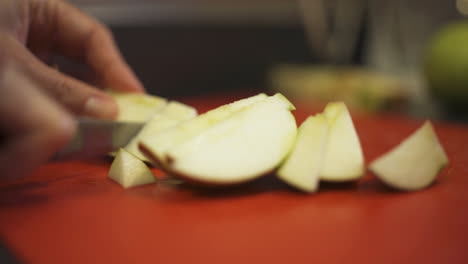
column 160, row 143
column 137, row 107
column 344, row 160
column 243, row 145
column 414, row 163
column 129, row 171
column 173, row 114
column 302, row 167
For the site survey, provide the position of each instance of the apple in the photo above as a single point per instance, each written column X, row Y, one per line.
column 446, row 66
column 414, row 163
column 137, row 107
column 161, row 142
column 173, row 114
column 245, row 144
column 344, row 159
column 302, row 167
column 129, row 171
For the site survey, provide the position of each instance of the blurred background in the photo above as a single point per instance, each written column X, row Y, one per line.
column 371, row 53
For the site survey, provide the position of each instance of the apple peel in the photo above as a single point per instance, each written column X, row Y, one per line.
column 246, row 144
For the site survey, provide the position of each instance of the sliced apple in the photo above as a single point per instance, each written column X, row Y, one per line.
column 171, row 115
column 129, row 171
column 302, row 167
column 414, row 163
column 344, row 160
column 161, row 142
column 246, row 144
column 137, row 107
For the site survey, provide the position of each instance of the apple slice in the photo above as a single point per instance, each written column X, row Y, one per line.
column 414, row 163
column 137, row 107
column 302, row 167
column 246, row 144
column 160, row 143
column 129, row 171
column 344, row 160
column 171, row 115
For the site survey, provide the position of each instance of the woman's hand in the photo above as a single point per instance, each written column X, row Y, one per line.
column 38, row 103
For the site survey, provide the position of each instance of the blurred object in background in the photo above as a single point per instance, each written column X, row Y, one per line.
column 398, row 34
column 462, row 7
column 194, row 47
column 333, row 28
column 446, row 67
column 359, row 88
column 393, row 50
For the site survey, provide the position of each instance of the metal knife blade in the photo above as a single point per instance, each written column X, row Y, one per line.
column 97, row 138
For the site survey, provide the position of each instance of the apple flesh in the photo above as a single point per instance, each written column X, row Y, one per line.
column 173, row 114
column 244, row 144
column 136, row 107
column 344, row 159
column 129, row 171
column 414, row 163
column 160, row 143
column 302, row 167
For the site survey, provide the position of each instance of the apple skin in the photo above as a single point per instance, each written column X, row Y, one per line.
column 153, row 159
column 237, row 150
column 184, row 131
column 188, row 179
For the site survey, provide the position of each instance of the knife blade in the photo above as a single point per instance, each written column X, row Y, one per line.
column 97, row 138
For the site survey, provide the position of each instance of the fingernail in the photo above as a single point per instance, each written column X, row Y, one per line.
column 100, row 107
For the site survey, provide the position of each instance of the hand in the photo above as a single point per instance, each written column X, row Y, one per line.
column 37, row 102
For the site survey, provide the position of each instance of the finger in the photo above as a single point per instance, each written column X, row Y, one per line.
column 31, row 137
column 76, row 96
column 80, row 36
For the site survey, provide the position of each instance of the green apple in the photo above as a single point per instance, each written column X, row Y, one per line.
column 302, row 167
column 171, row 115
column 414, row 163
column 241, row 146
column 446, row 65
column 344, row 159
column 137, row 107
column 129, row 171
column 161, row 142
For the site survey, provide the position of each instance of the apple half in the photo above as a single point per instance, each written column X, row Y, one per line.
column 247, row 143
column 137, row 107
column 160, row 143
column 302, row 167
column 344, row 159
column 129, row 171
column 414, row 163
column 171, row 115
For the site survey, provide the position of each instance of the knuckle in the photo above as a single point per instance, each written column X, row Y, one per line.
column 61, row 130
column 62, row 91
column 103, row 30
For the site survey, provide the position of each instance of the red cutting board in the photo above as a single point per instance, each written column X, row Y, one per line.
column 71, row 213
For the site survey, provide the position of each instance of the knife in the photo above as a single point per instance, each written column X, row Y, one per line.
column 97, row 138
